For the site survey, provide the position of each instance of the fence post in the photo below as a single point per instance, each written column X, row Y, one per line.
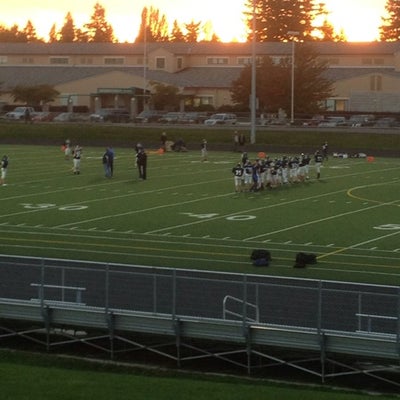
column 154, row 291
column 41, row 288
column 62, row 284
column 319, row 317
column 398, row 322
column 173, row 311
column 244, row 302
column 107, row 288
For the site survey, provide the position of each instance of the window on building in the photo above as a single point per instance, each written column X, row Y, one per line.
column 86, row 60
column 179, row 63
column 59, row 60
column 366, row 61
column 217, row 60
column 200, row 101
column 113, row 60
column 376, row 83
column 244, row 60
column 27, row 60
column 333, row 61
column 3, row 59
column 160, row 62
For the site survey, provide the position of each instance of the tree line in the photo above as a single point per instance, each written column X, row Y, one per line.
column 273, row 20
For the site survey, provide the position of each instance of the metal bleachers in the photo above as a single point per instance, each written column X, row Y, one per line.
column 252, row 316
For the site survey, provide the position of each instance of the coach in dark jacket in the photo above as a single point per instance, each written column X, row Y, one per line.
column 141, row 161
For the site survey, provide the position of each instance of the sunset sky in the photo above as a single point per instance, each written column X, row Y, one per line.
column 359, row 19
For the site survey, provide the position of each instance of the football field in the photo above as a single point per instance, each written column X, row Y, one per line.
column 187, row 214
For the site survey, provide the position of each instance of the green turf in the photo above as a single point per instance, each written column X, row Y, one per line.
column 186, row 215
column 25, row 376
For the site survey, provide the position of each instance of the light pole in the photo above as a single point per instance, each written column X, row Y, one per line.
column 293, row 34
column 253, row 79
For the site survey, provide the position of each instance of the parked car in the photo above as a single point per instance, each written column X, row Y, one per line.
column 110, row 115
column 148, row 116
column 63, row 117
column 98, row 116
column 386, row 122
column 193, row 117
column 171, row 117
column 332, row 122
column 117, row 115
column 43, row 116
column 361, row 120
column 221, row 119
column 20, row 113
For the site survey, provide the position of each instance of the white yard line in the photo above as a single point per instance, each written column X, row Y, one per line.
column 317, row 221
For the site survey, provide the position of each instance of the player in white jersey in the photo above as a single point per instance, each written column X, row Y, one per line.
column 77, row 159
column 248, row 175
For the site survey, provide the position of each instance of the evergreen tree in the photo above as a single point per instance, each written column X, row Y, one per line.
column 12, row 34
column 53, row 36
column 325, row 31
column 158, row 25
column 153, row 27
column 30, row 32
column 67, row 32
column 274, row 83
column 177, row 35
column 192, row 31
column 390, row 30
column 98, row 29
column 209, row 34
column 81, row 36
column 275, row 18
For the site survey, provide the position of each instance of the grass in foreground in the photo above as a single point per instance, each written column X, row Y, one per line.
column 33, row 377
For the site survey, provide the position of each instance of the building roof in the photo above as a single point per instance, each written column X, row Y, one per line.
column 202, row 48
column 216, row 77
column 338, row 74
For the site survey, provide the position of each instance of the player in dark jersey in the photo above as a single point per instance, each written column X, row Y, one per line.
column 318, row 158
column 238, row 172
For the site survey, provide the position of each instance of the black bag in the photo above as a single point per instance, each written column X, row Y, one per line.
column 260, row 254
column 261, row 262
column 302, row 259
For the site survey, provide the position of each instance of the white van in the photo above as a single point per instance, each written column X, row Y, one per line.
column 221, row 119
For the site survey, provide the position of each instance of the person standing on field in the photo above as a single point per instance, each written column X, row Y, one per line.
column 204, row 152
column 110, row 155
column 106, row 164
column 77, row 160
column 318, row 158
column 141, row 162
column 236, row 141
column 4, row 166
column 238, row 172
column 325, row 151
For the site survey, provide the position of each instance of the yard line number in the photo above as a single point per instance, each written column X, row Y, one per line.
column 212, row 215
column 46, row 206
column 388, row 227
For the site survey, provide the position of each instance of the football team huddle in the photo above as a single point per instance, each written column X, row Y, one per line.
column 266, row 172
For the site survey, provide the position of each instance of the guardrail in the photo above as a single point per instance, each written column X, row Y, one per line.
column 61, row 288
